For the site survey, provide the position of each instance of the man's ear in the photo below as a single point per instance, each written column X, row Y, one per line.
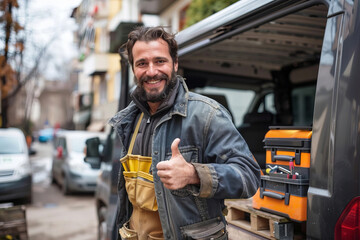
column 176, row 66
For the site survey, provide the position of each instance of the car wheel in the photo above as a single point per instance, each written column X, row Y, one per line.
column 65, row 186
column 53, row 180
column 28, row 199
column 102, row 227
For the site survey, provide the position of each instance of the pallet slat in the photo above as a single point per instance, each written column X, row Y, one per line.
column 13, row 223
column 242, row 215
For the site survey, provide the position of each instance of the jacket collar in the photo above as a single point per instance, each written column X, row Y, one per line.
column 128, row 114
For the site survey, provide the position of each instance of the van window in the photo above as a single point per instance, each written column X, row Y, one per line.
column 10, row 145
column 303, row 99
column 267, row 105
column 77, row 143
column 60, row 142
column 235, row 100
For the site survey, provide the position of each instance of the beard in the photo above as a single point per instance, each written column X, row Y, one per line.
column 156, row 96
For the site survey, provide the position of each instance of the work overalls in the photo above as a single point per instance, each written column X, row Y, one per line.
column 144, row 222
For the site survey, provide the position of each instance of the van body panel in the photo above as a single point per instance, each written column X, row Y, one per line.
column 336, row 7
column 322, row 149
column 334, row 173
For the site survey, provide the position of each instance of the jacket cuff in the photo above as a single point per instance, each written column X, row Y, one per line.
column 206, row 180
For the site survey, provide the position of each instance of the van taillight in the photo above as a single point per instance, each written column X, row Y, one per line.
column 348, row 225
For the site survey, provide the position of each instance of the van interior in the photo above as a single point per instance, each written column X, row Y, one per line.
column 263, row 71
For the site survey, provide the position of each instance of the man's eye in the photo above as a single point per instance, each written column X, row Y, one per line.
column 140, row 64
column 160, row 61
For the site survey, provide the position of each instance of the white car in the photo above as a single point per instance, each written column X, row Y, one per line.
column 69, row 170
column 15, row 168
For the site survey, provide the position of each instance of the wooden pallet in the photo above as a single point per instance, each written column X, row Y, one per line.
column 13, row 223
column 242, row 215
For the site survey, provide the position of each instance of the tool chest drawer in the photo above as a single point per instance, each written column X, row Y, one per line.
column 283, row 196
column 288, row 144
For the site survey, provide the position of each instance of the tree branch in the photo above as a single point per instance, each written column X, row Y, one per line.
column 32, row 71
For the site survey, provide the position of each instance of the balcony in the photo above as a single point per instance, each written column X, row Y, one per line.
column 96, row 63
column 154, row 6
column 120, row 34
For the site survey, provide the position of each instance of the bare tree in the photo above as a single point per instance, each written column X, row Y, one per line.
column 11, row 49
column 15, row 72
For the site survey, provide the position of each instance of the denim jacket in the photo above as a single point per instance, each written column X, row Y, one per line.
column 221, row 157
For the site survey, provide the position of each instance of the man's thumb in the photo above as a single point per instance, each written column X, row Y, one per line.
column 175, row 147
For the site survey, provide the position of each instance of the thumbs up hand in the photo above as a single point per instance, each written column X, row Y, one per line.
column 176, row 173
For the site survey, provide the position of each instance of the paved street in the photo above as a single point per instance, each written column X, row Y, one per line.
column 51, row 215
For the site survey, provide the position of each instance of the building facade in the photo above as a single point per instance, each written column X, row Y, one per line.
column 103, row 26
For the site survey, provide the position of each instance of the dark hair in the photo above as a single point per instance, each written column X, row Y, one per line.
column 148, row 34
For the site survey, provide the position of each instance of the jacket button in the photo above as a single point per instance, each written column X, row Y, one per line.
column 156, row 152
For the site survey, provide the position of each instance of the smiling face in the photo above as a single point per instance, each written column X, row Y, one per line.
column 153, row 68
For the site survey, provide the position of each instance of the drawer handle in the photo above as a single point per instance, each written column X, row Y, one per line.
column 283, row 158
column 275, row 195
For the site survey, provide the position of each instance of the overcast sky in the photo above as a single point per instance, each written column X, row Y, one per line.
column 49, row 21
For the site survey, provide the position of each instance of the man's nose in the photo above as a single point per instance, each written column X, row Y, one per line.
column 152, row 70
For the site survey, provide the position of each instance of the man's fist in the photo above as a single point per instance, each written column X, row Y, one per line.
column 176, row 173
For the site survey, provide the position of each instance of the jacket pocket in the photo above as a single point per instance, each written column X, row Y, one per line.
column 190, row 154
column 209, row 229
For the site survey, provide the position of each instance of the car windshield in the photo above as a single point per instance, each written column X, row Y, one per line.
column 77, row 143
column 10, row 145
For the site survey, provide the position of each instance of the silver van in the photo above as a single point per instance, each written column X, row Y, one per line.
column 69, row 169
column 15, row 168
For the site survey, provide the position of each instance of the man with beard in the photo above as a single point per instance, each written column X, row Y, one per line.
column 182, row 155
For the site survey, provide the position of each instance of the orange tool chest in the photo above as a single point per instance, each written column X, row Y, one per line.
column 284, row 186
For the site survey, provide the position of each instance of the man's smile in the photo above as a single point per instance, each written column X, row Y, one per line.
column 153, row 81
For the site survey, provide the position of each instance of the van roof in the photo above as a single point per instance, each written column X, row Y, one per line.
column 224, row 17
column 253, row 38
column 10, row 131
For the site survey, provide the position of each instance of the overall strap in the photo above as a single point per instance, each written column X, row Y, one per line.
column 132, row 142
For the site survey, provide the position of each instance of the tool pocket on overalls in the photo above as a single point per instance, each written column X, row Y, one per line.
column 126, row 233
column 130, row 185
column 145, row 192
column 209, row 229
column 139, row 183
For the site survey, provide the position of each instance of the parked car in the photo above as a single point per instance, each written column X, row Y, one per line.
column 69, row 169
column 15, row 168
column 47, row 134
